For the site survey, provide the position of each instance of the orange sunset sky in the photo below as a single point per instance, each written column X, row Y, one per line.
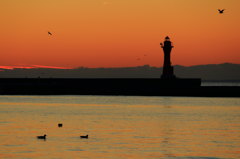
column 118, row 33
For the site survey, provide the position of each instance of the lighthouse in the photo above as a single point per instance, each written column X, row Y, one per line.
column 167, row 68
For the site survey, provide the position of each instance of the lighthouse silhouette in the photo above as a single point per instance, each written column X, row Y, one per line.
column 167, row 68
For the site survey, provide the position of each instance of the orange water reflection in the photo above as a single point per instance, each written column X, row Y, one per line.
column 119, row 130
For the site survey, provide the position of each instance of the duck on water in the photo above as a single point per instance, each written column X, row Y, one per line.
column 42, row 137
column 84, row 137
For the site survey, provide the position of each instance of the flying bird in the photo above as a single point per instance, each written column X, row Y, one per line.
column 221, row 11
column 49, row 33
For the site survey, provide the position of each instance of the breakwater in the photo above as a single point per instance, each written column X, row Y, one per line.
column 114, row 86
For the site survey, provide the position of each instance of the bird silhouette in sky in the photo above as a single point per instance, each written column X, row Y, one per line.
column 221, row 11
column 49, row 33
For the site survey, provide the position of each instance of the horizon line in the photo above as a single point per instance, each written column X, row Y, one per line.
column 71, row 68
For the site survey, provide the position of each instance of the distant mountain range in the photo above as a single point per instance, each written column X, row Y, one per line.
column 211, row 72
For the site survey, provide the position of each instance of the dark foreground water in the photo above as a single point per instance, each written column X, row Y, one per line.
column 120, row 127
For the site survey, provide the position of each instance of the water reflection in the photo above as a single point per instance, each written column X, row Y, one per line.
column 120, row 127
column 168, row 131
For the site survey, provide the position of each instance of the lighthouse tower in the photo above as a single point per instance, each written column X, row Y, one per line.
column 167, row 68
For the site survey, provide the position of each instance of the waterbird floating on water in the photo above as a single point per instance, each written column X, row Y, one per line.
column 42, row 137
column 84, row 137
column 60, row 125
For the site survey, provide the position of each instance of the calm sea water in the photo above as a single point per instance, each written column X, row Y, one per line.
column 120, row 127
column 220, row 83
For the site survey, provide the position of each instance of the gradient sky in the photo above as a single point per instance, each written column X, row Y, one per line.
column 117, row 33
